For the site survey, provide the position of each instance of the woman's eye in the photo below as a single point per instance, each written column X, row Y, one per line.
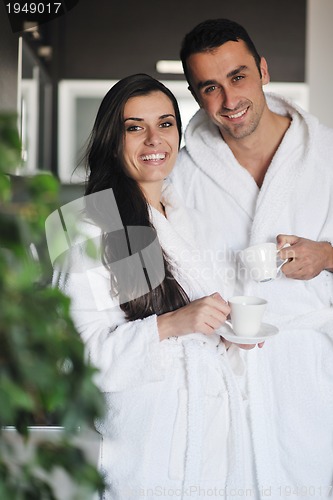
column 133, row 128
column 166, row 124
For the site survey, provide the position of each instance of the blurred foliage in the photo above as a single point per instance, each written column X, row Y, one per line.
column 10, row 146
column 44, row 377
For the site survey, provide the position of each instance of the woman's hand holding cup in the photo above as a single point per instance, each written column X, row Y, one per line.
column 246, row 317
column 203, row 315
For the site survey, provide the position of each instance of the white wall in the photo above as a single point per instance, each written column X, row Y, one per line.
column 319, row 59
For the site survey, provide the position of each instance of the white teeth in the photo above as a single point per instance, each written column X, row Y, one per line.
column 237, row 115
column 158, row 156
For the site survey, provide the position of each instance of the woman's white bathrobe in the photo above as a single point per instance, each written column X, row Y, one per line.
column 175, row 424
column 290, row 381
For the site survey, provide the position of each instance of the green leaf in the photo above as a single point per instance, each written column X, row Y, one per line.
column 44, row 375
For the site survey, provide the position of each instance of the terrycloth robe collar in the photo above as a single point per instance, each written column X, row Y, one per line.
column 178, row 234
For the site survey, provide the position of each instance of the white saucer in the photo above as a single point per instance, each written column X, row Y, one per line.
column 266, row 331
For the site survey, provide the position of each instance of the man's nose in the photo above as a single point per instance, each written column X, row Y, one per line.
column 230, row 98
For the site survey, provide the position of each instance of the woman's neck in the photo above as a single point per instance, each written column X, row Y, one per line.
column 153, row 194
column 158, row 206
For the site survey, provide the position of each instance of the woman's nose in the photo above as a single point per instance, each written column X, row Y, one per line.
column 153, row 138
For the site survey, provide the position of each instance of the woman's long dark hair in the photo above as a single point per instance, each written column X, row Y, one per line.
column 105, row 163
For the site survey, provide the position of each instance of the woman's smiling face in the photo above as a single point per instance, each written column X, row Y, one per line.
column 151, row 139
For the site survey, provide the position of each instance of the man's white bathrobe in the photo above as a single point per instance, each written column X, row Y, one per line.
column 175, row 425
column 290, row 381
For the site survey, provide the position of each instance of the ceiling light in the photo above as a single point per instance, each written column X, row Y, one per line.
column 174, row 67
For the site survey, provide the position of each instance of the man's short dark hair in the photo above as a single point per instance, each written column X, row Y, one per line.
column 211, row 34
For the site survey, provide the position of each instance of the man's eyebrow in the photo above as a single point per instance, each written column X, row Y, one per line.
column 232, row 73
column 201, row 85
column 235, row 71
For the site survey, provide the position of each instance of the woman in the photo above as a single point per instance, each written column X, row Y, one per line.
column 165, row 372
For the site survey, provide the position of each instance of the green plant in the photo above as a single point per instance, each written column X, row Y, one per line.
column 43, row 372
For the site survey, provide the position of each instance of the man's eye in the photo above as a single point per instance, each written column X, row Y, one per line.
column 238, row 78
column 210, row 89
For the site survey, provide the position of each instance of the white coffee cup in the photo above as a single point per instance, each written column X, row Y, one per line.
column 246, row 314
column 261, row 261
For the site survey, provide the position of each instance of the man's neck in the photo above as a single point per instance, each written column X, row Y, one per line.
column 256, row 151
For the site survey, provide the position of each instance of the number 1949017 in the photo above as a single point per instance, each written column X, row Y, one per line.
column 33, row 8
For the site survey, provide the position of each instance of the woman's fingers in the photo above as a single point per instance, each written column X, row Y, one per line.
column 203, row 315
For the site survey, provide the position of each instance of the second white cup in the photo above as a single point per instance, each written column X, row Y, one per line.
column 261, row 261
column 246, row 314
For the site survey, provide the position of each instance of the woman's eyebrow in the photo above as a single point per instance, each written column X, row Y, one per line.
column 162, row 117
column 134, row 119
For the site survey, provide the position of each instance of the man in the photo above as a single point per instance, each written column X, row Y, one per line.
column 261, row 169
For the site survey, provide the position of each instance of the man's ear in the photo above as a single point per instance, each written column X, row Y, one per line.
column 264, row 71
column 194, row 95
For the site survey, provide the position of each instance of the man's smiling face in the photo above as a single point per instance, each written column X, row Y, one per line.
column 226, row 82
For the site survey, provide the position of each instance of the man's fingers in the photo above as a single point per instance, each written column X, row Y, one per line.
column 287, row 253
column 283, row 239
